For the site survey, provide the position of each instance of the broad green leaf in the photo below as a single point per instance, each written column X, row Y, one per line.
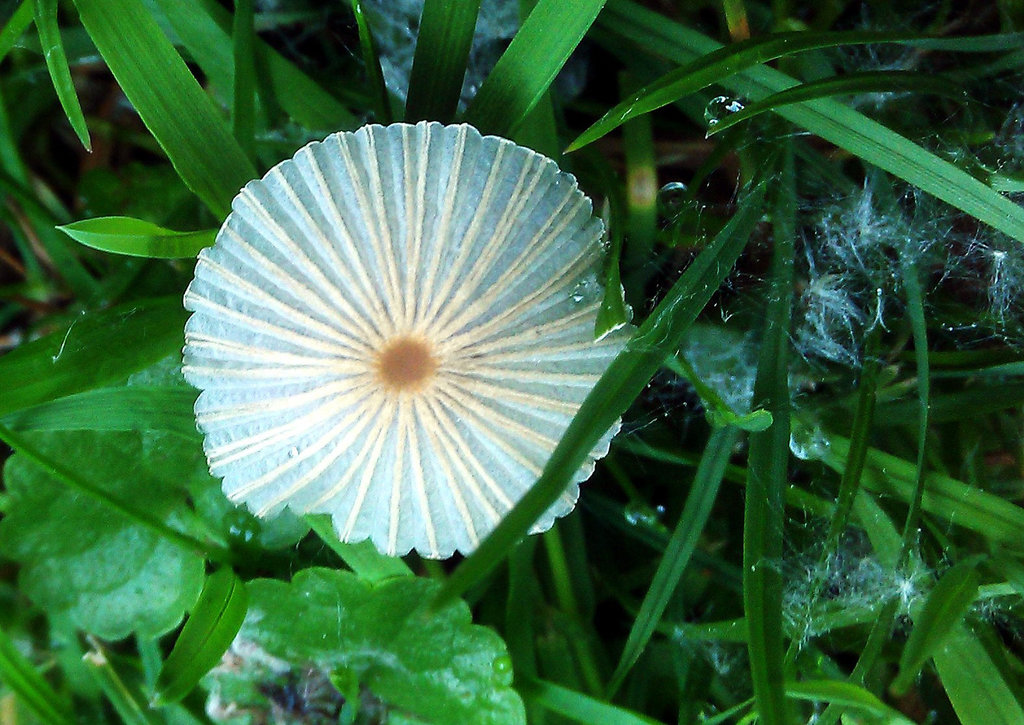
column 57, row 65
column 439, row 66
column 696, row 511
column 848, row 84
column 137, row 238
column 435, row 665
column 974, row 683
column 168, row 99
column 530, row 63
column 206, row 636
column 615, row 391
column 940, row 615
column 577, row 706
column 97, row 348
column 110, row 573
column 23, row 679
column 834, row 122
column 131, row 408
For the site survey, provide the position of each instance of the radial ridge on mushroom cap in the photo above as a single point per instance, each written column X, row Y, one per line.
column 395, row 327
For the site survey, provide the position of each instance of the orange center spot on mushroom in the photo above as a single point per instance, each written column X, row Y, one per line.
column 406, row 364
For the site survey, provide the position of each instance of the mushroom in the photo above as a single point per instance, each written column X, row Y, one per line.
column 395, row 327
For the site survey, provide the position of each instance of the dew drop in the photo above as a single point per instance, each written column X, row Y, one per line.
column 719, row 107
column 241, row 527
column 639, row 514
column 502, row 667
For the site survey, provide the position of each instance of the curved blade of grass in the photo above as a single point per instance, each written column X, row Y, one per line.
column 975, row 685
column 621, row 383
column 696, row 511
column 96, row 349
column 168, row 99
column 972, row 402
column 842, row 693
column 361, row 557
column 718, row 65
column 853, row 83
column 530, row 63
column 243, row 86
column 371, row 60
column 125, row 698
column 768, row 468
column 871, row 141
column 993, row 517
column 206, row 636
column 577, row 706
column 205, row 29
column 941, row 614
column 123, row 408
column 15, row 26
column 57, row 65
column 21, row 678
column 439, row 66
column 137, row 238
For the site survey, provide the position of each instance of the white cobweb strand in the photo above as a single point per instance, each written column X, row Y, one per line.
column 481, row 249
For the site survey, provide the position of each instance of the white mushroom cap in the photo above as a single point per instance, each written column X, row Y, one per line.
column 395, row 327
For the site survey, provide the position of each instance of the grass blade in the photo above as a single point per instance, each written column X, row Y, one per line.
column 834, row 122
column 680, row 547
column 137, row 238
column 768, row 467
column 974, row 683
column 14, row 28
column 716, row 66
column 125, row 698
column 941, row 614
column 379, row 89
column 243, row 97
column 206, row 636
column 530, row 63
column 849, row 84
column 57, row 65
column 80, row 357
column 842, row 693
column 439, row 66
column 168, row 99
column 625, row 378
column 577, row 706
column 956, row 502
column 21, row 678
column 205, row 29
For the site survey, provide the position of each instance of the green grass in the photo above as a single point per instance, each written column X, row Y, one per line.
column 812, row 511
